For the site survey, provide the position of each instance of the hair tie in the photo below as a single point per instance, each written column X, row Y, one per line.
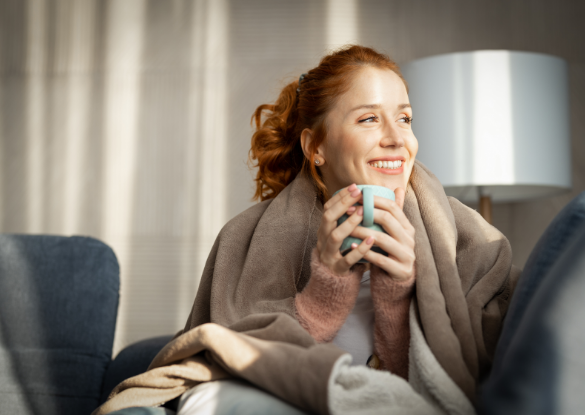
column 301, row 80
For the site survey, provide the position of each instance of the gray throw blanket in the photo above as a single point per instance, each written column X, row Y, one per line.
column 243, row 320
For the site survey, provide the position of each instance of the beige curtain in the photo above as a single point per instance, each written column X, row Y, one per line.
column 113, row 126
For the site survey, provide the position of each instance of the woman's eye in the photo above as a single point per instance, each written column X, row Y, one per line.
column 405, row 119
column 369, row 119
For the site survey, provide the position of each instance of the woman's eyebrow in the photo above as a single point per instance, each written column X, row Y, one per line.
column 368, row 106
column 377, row 106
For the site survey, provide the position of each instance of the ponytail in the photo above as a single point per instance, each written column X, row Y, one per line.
column 275, row 144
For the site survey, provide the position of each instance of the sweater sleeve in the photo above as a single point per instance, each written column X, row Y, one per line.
column 327, row 299
column 391, row 321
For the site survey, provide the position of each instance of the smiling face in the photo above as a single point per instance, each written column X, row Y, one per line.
column 369, row 138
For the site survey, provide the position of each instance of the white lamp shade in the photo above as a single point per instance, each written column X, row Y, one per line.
column 496, row 119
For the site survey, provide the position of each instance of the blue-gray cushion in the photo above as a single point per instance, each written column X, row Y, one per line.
column 554, row 241
column 58, row 306
column 539, row 367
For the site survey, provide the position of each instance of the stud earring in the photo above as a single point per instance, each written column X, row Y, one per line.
column 317, row 161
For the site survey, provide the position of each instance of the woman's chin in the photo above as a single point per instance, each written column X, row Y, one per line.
column 385, row 180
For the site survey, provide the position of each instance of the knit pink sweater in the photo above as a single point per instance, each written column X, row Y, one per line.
column 326, row 301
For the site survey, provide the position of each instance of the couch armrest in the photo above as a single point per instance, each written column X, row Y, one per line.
column 132, row 361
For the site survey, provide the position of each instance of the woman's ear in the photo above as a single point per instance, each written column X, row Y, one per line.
column 306, row 140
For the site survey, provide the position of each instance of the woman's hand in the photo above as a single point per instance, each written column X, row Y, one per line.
column 398, row 242
column 330, row 236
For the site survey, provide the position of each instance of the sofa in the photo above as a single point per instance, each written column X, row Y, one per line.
column 59, row 299
column 58, row 306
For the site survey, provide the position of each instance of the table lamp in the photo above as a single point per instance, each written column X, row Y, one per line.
column 493, row 124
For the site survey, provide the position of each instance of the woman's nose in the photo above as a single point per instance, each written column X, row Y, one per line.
column 392, row 136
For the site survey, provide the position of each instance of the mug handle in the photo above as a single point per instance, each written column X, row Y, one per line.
column 368, row 201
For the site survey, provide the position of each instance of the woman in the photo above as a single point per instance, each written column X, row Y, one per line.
column 285, row 306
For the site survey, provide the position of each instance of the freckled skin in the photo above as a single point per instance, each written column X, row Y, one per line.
column 383, row 131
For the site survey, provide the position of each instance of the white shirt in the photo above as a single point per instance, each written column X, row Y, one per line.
column 356, row 336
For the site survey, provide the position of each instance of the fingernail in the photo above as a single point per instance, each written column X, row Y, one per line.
column 352, row 187
column 360, row 210
column 354, row 245
column 351, row 209
column 370, row 240
column 355, row 193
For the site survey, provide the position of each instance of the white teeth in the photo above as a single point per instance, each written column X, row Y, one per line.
column 386, row 164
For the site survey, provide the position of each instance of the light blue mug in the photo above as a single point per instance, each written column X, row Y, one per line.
column 368, row 193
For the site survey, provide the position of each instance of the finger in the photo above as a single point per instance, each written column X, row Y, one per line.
column 339, row 195
column 399, row 195
column 394, row 210
column 339, row 208
column 358, row 253
column 404, row 233
column 395, row 269
column 347, row 197
column 391, row 227
column 341, row 232
column 402, row 252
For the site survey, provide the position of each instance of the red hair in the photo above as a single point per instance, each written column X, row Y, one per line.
column 276, row 144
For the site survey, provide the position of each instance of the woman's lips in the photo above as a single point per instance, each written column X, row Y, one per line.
column 389, row 167
column 391, row 172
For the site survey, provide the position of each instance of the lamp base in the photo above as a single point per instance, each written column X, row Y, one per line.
column 485, row 208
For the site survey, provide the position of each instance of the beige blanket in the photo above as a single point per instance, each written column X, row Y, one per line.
column 261, row 259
